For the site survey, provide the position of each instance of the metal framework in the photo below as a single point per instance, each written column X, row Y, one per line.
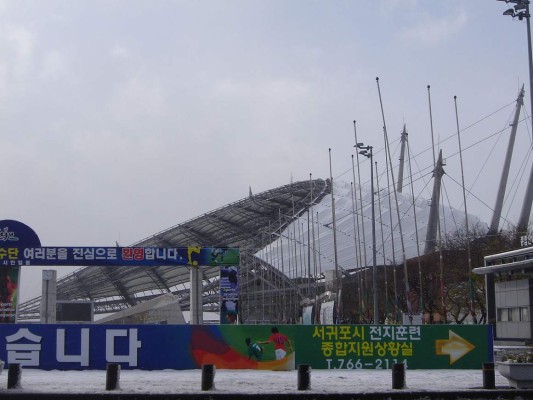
column 266, row 294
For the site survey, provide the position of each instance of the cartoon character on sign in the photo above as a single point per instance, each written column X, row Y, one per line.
column 190, row 251
column 7, row 236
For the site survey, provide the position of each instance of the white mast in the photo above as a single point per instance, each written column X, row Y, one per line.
column 466, row 214
column 405, row 271
column 493, row 229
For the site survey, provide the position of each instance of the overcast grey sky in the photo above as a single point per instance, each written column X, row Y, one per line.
column 119, row 119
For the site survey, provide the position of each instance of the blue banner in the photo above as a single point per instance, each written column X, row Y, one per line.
column 125, row 256
column 76, row 347
column 229, row 294
column 15, row 233
column 155, row 347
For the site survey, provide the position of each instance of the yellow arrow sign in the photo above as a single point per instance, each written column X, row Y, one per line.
column 455, row 347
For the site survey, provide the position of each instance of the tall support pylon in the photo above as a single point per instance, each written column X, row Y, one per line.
column 493, row 229
column 433, row 221
column 403, row 140
column 523, row 221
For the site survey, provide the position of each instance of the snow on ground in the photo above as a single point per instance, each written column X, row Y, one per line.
column 247, row 381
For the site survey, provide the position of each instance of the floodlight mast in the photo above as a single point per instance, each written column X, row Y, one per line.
column 367, row 152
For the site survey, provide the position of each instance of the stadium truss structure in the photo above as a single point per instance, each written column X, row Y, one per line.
column 266, row 293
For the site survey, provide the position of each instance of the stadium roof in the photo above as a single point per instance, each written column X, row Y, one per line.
column 249, row 224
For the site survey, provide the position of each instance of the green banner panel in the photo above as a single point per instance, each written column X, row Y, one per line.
column 380, row 346
column 369, row 346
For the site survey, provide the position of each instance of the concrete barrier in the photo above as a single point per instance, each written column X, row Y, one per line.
column 14, row 376
column 489, row 379
column 208, row 377
column 398, row 376
column 304, row 377
column 112, row 381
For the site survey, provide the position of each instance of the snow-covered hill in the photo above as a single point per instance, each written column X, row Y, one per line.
column 311, row 236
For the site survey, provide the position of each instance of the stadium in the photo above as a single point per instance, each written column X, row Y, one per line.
column 266, row 292
column 292, row 248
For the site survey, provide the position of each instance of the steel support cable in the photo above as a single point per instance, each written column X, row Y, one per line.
column 445, row 192
column 515, row 186
column 471, row 194
column 518, row 177
column 452, row 135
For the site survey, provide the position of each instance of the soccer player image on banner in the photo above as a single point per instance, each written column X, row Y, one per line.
column 279, row 340
column 254, row 350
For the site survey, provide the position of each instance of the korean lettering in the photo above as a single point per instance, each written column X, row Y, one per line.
column 375, row 332
column 100, row 253
column 51, row 253
column 10, row 253
column 332, row 332
column 133, row 346
column 354, row 348
column 111, row 253
column 28, row 253
column 77, row 253
column 127, row 253
column 133, row 253
column 381, row 348
column 82, row 358
column 319, row 332
column 341, row 349
column 344, row 332
column 414, row 333
column 388, row 332
column 62, row 253
column 138, row 253
column 394, row 348
column 367, row 341
column 172, row 254
column 401, row 333
column 150, row 253
column 88, row 254
column 407, row 349
column 40, row 253
column 327, row 348
column 359, row 332
column 367, row 349
column 27, row 351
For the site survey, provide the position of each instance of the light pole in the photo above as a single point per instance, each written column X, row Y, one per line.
column 367, row 152
column 520, row 10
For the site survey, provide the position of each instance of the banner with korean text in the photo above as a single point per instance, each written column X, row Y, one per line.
column 75, row 347
column 124, row 256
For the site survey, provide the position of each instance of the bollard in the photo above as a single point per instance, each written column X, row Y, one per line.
column 488, row 376
column 13, row 376
column 398, row 376
column 208, row 376
column 304, row 377
column 112, row 381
